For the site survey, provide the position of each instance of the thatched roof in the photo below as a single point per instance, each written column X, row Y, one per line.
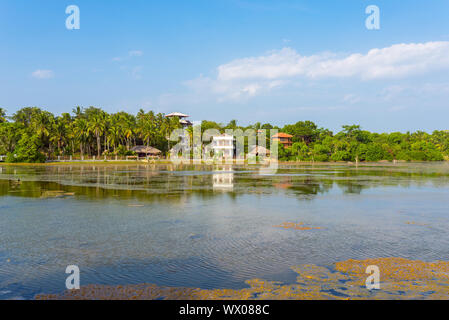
column 177, row 114
column 146, row 150
column 259, row 150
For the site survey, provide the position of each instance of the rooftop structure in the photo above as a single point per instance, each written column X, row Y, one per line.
column 182, row 118
column 283, row 138
column 282, row 135
column 144, row 151
column 176, row 114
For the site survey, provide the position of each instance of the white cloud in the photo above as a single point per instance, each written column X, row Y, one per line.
column 131, row 54
column 396, row 61
column 351, row 98
column 392, row 92
column 231, row 90
column 43, row 74
column 247, row 77
column 135, row 53
column 136, row 72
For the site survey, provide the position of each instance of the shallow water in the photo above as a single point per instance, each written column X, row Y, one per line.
column 211, row 227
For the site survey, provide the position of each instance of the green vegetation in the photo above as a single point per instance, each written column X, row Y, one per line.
column 311, row 143
column 33, row 135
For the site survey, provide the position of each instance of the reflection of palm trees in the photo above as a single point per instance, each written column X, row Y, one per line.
column 350, row 187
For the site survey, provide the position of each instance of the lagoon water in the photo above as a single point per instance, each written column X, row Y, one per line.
column 211, row 226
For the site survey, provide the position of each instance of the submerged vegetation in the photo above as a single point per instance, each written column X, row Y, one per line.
column 33, row 135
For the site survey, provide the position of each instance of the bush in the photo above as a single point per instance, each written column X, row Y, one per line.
column 321, row 152
column 375, row 152
column 27, row 150
column 341, row 156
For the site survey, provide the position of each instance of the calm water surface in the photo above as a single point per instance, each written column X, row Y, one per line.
column 211, row 227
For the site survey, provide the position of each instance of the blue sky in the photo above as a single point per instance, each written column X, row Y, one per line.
column 255, row 61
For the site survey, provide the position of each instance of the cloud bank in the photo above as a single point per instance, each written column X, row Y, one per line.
column 247, row 77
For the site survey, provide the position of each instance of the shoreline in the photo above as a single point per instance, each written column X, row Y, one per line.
column 155, row 162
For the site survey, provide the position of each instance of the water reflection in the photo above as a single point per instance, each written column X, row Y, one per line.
column 223, row 178
column 154, row 182
column 211, row 227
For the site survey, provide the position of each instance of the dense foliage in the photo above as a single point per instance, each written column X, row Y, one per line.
column 311, row 143
column 33, row 135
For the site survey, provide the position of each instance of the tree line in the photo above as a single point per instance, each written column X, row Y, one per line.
column 34, row 135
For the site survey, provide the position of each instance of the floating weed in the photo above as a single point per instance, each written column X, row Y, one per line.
column 400, row 279
column 55, row 194
column 295, row 226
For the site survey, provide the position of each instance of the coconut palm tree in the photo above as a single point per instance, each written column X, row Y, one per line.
column 78, row 111
column 59, row 134
column 96, row 125
column 114, row 136
column 81, row 130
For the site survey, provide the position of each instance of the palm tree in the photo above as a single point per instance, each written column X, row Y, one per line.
column 59, row 134
column 114, row 136
column 128, row 124
column 97, row 125
column 146, row 127
column 81, row 133
column 78, row 111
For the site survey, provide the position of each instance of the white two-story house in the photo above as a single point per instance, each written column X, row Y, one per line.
column 223, row 146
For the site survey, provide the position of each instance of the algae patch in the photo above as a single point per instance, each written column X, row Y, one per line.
column 56, row 194
column 400, row 279
column 295, row 226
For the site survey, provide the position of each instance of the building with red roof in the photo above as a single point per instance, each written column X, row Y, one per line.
column 283, row 138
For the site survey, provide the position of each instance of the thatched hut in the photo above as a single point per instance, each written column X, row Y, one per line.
column 259, row 150
column 144, row 151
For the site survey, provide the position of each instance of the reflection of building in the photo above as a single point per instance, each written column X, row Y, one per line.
column 182, row 118
column 285, row 183
column 283, row 138
column 223, row 146
column 223, row 178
